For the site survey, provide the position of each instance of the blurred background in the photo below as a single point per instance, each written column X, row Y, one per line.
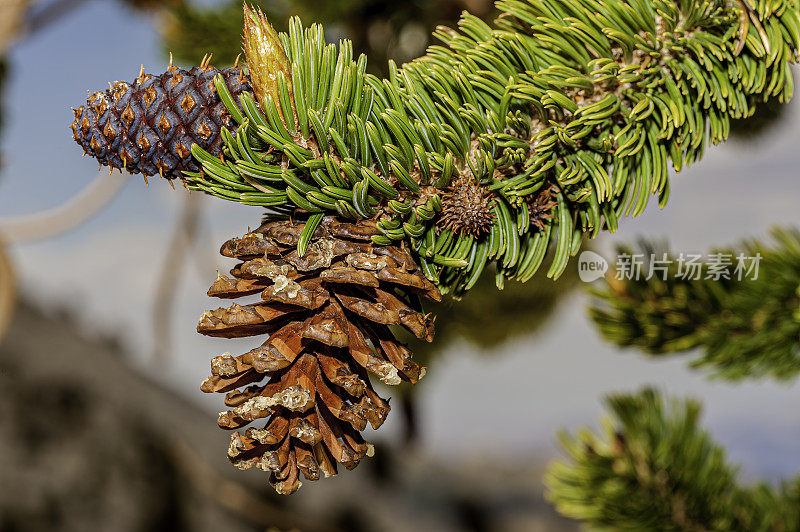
column 102, row 279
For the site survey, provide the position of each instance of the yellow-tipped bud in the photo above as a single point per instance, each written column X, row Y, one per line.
column 266, row 58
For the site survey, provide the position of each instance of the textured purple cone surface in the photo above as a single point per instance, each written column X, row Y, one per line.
column 149, row 126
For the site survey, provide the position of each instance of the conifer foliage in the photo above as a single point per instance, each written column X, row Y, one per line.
column 505, row 146
column 653, row 468
column 593, row 97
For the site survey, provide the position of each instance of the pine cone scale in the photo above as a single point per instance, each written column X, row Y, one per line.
column 326, row 329
column 216, row 383
column 245, row 320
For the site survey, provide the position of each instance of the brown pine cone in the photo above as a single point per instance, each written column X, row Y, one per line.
column 328, row 316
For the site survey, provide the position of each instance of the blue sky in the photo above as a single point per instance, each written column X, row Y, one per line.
column 107, row 269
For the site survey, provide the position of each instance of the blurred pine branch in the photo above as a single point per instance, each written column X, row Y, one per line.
column 744, row 328
column 652, row 467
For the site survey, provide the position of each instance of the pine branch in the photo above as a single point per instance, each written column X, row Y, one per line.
column 746, row 328
column 654, row 468
column 508, row 141
column 564, row 115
